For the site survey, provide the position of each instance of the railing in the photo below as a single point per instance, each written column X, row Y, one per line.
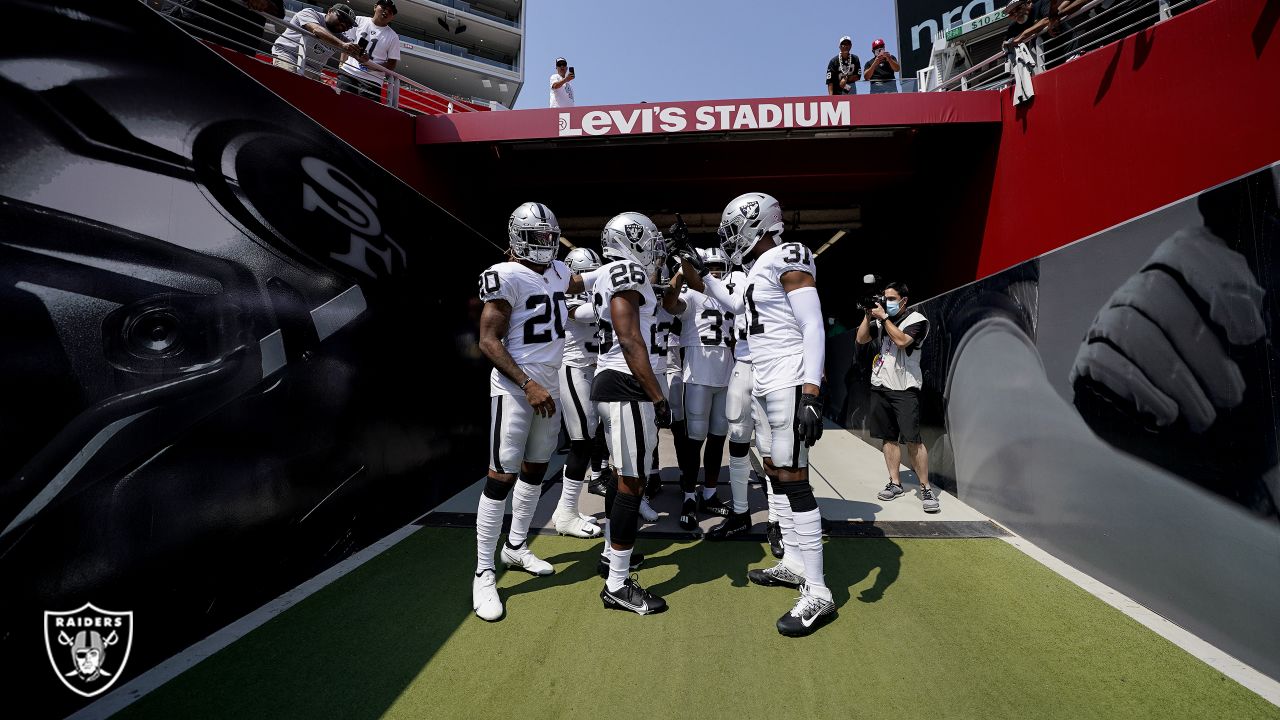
column 1090, row 24
column 263, row 37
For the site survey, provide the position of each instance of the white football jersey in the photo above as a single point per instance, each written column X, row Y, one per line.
column 535, row 337
column 777, row 345
column 736, row 283
column 658, row 340
column 704, row 336
column 612, row 279
column 580, row 343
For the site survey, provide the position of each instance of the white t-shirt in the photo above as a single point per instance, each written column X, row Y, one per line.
column 535, row 337
column 580, row 343
column 314, row 49
column 777, row 345
column 704, row 335
column 561, row 96
column 612, row 279
column 383, row 44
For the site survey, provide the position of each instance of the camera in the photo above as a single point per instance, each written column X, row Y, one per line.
column 866, row 303
column 872, row 293
column 571, row 72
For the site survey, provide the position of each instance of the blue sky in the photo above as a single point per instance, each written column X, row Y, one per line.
column 655, row 50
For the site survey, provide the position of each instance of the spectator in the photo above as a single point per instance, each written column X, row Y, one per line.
column 895, row 388
column 306, row 55
column 379, row 43
column 880, row 69
column 1026, row 16
column 842, row 71
column 561, row 90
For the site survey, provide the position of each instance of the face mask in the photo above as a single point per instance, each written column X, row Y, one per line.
column 891, row 307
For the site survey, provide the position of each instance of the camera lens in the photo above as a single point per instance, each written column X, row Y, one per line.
column 155, row 332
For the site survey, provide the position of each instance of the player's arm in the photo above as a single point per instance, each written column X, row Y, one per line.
column 671, row 301
column 582, row 312
column 733, row 302
column 802, row 294
column 495, row 320
column 582, row 283
column 624, row 308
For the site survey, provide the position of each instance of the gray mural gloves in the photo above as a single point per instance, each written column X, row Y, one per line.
column 1151, row 344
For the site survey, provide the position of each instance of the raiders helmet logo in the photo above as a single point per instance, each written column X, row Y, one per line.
column 751, row 210
column 635, row 232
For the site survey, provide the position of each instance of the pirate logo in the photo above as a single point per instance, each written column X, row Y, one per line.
column 635, row 232
column 88, row 647
column 750, row 210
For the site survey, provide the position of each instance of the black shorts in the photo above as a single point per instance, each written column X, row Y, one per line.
column 895, row 415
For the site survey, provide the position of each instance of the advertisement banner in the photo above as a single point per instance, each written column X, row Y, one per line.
column 921, row 21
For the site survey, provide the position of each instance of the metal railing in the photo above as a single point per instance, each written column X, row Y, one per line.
column 1089, row 25
column 262, row 37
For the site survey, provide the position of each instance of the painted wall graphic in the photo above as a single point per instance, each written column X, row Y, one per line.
column 1114, row 402
column 231, row 347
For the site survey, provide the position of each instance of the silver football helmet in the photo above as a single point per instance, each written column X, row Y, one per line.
column 534, row 233
column 715, row 260
column 582, row 260
column 632, row 236
column 745, row 220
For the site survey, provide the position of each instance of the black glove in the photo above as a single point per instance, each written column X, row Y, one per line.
column 679, row 233
column 809, row 419
column 662, row 413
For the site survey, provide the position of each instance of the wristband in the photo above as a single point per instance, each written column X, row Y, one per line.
column 526, row 382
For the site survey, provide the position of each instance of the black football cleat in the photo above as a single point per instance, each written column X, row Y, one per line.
column 735, row 524
column 809, row 614
column 653, row 487
column 689, row 516
column 632, row 598
column 713, row 505
column 602, row 567
column 774, row 533
column 778, row 575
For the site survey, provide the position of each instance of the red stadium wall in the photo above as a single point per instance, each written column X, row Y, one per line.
column 1138, row 124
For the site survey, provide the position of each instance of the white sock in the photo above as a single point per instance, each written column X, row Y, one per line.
column 488, row 528
column 739, row 473
column 808, row 532
column 619, row 566
column 608, row 547
column 524, row 500
column 790, row 543
column 707, row 492
column 570, row 491
column 688, row 496
column 777, row 503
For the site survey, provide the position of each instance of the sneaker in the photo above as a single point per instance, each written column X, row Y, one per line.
column 735, row 524
column 810, row 613
column 689, row 515
column 713, row 506
column 647, row 513
column 633, row 598
column 653, row 487
column 596, row 485
column 774, row 533
column 484, row 596
column 891, row 491
column 522, row 558
column 575, row 525
column 929, row 502
column 777, row 575
column 602, row 567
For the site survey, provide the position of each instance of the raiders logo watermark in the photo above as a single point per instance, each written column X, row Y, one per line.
column 88, row 647
column 635, row 232
column 750, row 210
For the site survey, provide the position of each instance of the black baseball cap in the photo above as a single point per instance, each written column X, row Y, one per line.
column 561, row 61
column 390, row 5
column 345, row 12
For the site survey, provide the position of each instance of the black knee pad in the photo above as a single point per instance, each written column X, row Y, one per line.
column 610, row 493
column 800, row 495
column 575, row 467
column 739, row 449
column 624, row 519
column 775, row 487
column 496, row 489
column 534, row 480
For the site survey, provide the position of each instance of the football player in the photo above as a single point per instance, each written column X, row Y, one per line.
column 580, row 419
column 522, row 334
column 628, row 394
column 783, row 315
column 708, row 364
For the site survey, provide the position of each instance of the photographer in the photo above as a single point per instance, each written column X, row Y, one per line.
column 842, row 71
column 895, row 386
column 881, row 69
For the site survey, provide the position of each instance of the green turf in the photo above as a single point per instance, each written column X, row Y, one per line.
column 927, row 629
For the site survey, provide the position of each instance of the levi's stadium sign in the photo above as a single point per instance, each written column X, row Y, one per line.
column 711, row 117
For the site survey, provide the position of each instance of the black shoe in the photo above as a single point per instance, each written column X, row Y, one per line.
column 602, row 567
column 736, row 524
column 774, row 533
column 776, row 576
column 689, row 515
column 597, row 486
column 653, row 487
column 633, row 598
column 713, row 505
column 809, row 614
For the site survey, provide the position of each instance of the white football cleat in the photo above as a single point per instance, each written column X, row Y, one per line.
column 576, row 525
column 523, row 558
column 647, row 512
column 484, row 596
